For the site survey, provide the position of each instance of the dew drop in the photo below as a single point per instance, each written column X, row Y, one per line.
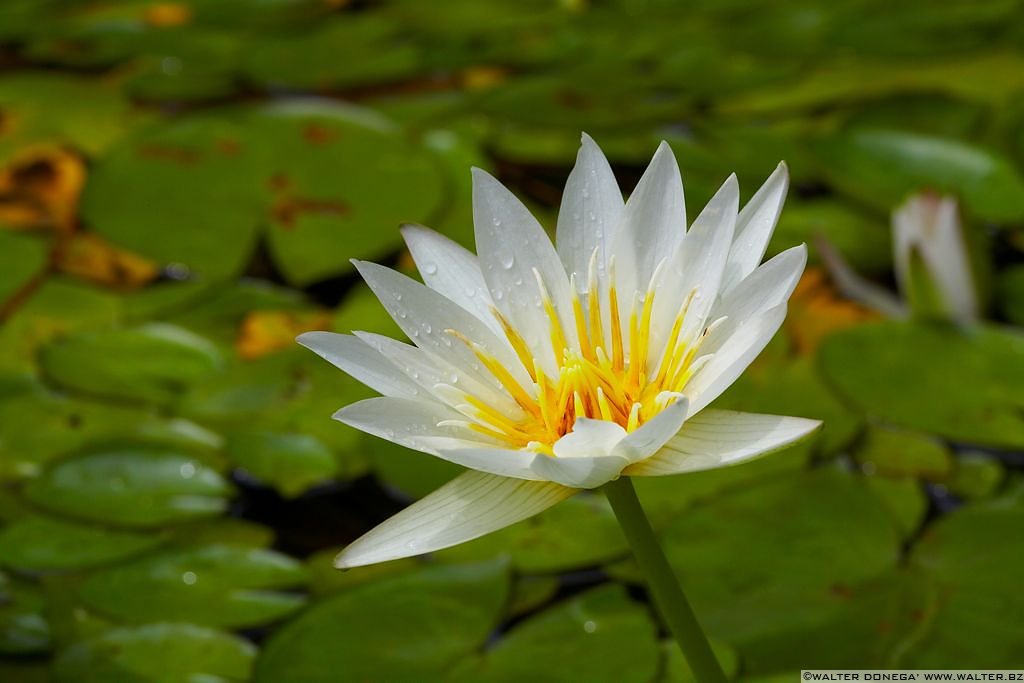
column 427, row 328
column 188, row 470
column 189, row 578
column 429, row 268
column 508, row 260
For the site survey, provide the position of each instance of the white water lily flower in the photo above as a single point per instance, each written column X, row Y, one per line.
column 547, row 370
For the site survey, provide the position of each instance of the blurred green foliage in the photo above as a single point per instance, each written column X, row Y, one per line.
column 182, row 185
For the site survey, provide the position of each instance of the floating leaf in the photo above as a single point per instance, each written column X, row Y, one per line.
column 976, row 476
column 23, row 625
column 156, row 653
column 415, row 626
column 895, row 454
column 882, row 166
column 290, row 463
column 36, row 544
column 215, row 585
column 134, row 487
column 978, row 373
column 976, row 574
column 600, row 636
column 152, row 363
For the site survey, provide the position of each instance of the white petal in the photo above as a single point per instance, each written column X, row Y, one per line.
column 768, row 286
column 501, row 461
column 426, row 316
column 754, row 227
column 589, row 216
column 733, row 357
column 653, row 434
column 512, row 245
column 450, row 269
column 716, row 438
column 654, row 220
column 698, row 265
column 406, row 421
column 469, row 506
column 360, row 361
column 588, row 439
column 582, row 473
column 431, row 371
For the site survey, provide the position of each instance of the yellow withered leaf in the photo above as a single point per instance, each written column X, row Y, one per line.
column 264, row 332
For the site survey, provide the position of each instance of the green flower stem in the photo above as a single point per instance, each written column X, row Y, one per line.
column 668, row 596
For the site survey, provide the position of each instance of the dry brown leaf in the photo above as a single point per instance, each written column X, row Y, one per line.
column 816, row 310
column 89, row 256
column 167, row 14
column 264, row 332
column 40, row 189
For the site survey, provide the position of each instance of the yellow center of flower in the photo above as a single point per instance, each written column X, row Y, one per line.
column 605, row 379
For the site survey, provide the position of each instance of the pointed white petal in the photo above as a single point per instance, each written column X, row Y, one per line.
column 512, row 245
column 653, row 434
column 406, row 421
column 469, row 506
column 580, row 473
column 590, row 213
column 697, row 266
column 450, row 269
column 431, row 371
column 654, row 220
column 589, row 439
column 495, row 460
column 360, row 361
column 426, row 316
column 754, row 227
column 768, row 286
column 716, row 438
column 732, row 358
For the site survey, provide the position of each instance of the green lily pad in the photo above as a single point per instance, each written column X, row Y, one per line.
column 881, row 167
column 415, row 626
column 836, row 535
column 325, row 579
column 904, row 499
column 222, row 531
column 600, row 636
column 37, row 544
column 963, row 385
column 976, row 476
column 894, row 454
column 24, row 628
column 156, row 653
column 134, row 487
column 291, row 463
column 21, row 257
column 215, row 585
column 579, row 532
column 330, row 182
column 34, row 112
column 58, row 307
column 152, row 363
column 976, row 572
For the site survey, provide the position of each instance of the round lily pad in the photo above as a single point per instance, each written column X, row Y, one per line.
column 415, row 626
column 290, row 463
column 134, row 487
column 36, row 543
column 156, row 653
column 214, row 585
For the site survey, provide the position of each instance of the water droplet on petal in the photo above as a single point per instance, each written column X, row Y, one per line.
column 429, row 268
column 427, row 328
column 508, row 260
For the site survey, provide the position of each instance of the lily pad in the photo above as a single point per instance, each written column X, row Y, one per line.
column 600, row 636
column 881, row 167
column 963, row 385
column 21, row 257
column 152, row 363
column 156, row 653
column 863, row 240
column 23, row 625
column 134, row 487
column 37, row 544
column 895, row 453
column 330, row 182
column 215, row 585
column 976, row 573
column 415, row 626
column 290, row 463
column 836, row 535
